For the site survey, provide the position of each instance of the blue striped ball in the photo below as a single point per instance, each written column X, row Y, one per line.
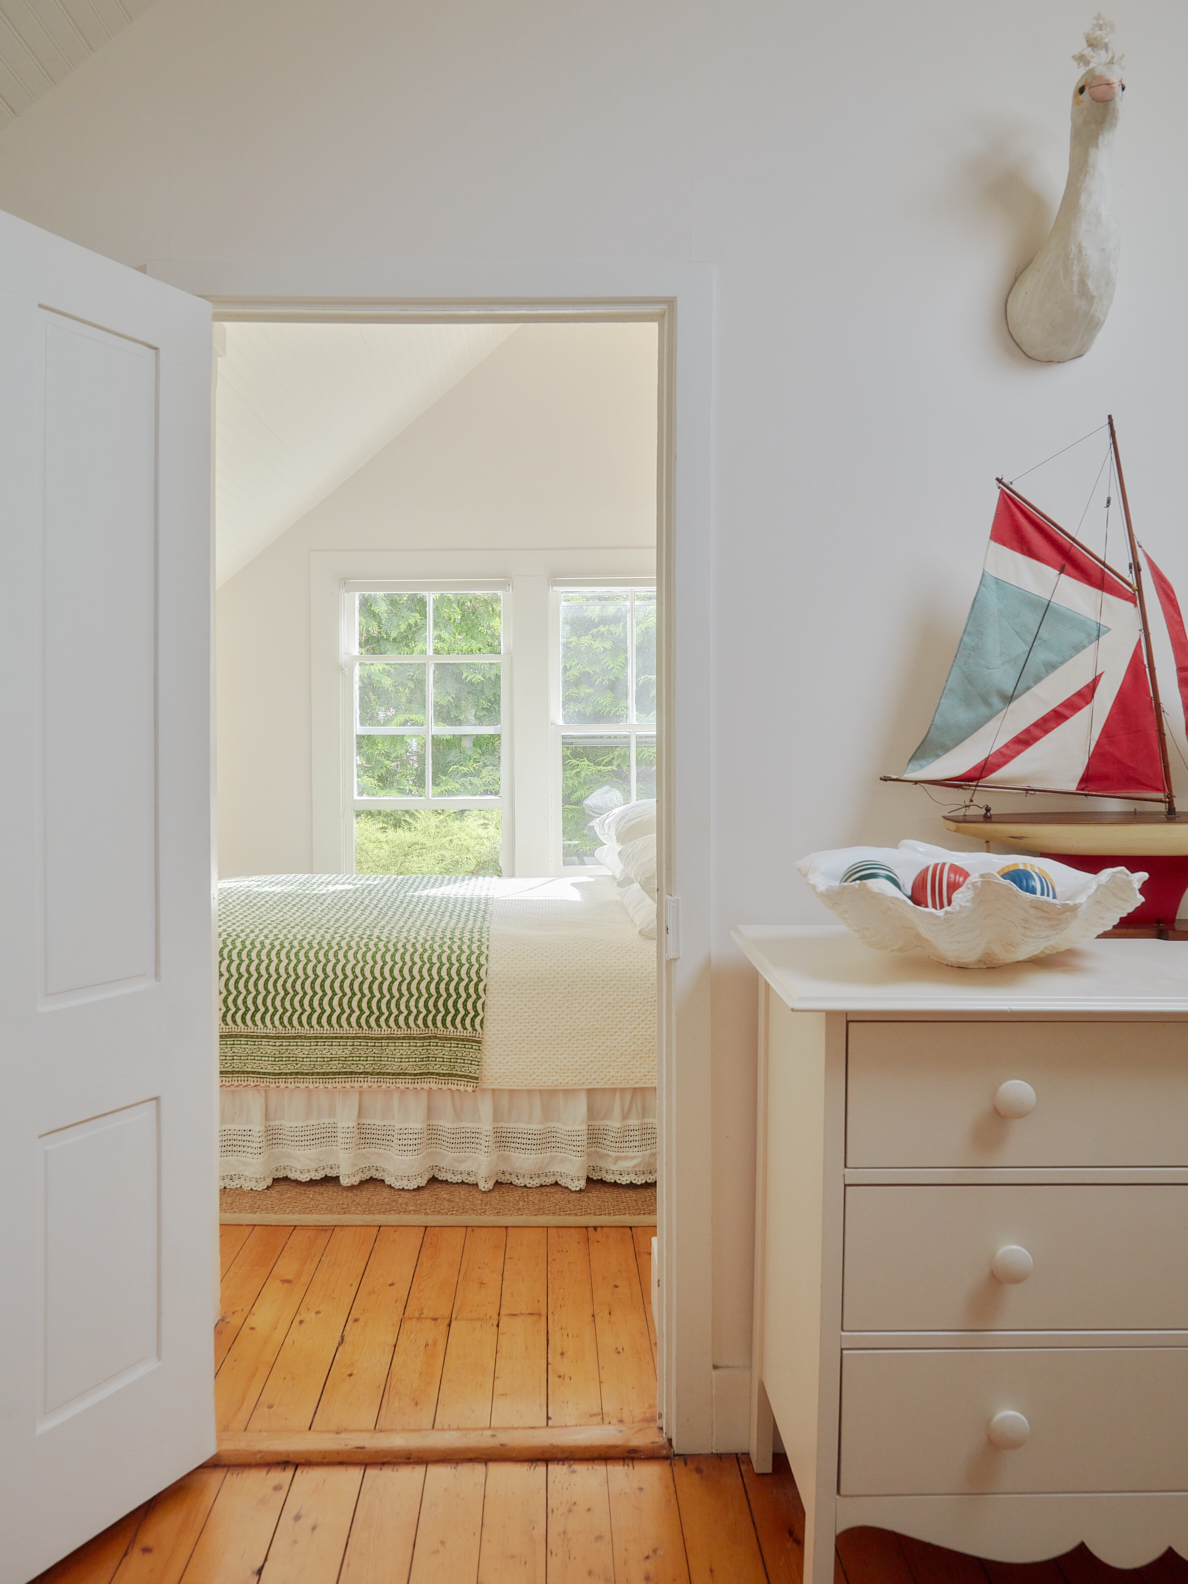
column 1029, row 878
column 871, row 869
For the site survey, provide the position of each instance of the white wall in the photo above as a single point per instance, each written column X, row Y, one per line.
column 866, row 178
column 549, row 444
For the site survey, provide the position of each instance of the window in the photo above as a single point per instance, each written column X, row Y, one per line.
column 389, row 637
column 425, row 762
column 606, row 705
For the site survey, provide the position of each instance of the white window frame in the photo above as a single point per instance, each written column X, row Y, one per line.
column 352, row 660
column 531, row 761
column 558, row 730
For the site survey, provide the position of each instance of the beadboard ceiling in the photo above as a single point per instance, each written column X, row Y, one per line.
column 42, row 41
column 300, row 407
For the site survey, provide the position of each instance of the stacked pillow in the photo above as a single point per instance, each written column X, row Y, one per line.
column 629, row 852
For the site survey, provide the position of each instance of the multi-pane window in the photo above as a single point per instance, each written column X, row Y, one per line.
column 607, row 707
column 426, row 669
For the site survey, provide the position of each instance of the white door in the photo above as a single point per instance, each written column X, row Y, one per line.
column 107, row 1035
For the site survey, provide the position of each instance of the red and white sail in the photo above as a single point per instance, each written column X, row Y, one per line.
column 1049, row 687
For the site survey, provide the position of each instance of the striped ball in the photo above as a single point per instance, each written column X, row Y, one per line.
column 937, row 884
column 871, row 869
column 1030, row 879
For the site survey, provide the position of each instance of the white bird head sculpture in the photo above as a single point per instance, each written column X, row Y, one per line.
column 1060, row 301
column 1097, row 97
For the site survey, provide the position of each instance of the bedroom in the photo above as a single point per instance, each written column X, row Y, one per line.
column 478, row 487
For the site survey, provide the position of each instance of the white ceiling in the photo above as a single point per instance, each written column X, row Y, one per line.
column 300, row 407
column 42, row 41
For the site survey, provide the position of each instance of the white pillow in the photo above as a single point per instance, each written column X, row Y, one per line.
column 642, row 910
column 638, row 859
column 627, row 822
column 609, row 856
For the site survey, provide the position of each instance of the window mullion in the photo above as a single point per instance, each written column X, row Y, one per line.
column 631, row 669
column 429, row 646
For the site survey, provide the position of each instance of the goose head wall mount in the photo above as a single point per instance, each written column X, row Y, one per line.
column 1060, row 301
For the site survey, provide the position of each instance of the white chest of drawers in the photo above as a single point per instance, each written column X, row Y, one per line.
column 971, row 1289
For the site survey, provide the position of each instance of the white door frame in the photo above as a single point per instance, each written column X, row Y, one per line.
column 680, row 298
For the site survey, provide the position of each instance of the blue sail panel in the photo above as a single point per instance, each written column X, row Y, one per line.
column 1013, row 639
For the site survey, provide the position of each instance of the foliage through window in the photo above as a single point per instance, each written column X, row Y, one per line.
column 427, row 684
column 608, row 707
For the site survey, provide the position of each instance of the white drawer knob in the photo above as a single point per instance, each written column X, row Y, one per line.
column 1012, row 1264
column 1009, row 1430
column 1015, row 1098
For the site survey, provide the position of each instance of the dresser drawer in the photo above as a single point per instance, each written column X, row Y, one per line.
column 1106, row 1094
column 1098, row 1419
column 1103, row 1258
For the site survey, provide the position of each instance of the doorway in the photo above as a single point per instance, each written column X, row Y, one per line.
column 680, row 296
column 653, row 318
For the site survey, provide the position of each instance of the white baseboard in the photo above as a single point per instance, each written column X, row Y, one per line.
column 732, row 1410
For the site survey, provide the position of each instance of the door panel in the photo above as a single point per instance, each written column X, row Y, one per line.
column 99, row 657
column 107, row 1024
column 99, row 1235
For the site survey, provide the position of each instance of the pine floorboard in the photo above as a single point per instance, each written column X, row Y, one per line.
column 314, row 1526
column 245, row 1369
column 169, row 1530
column 293, row 1389
column 235, row 1539
column 575, row 1393
column 515, row 1524
column 479, row 1326
column 446, row 1549
column 649, row 1546
column 384, row 1530
column 96, row 1561
column 580, row 1547
column 720, row 1540
column 354, row 1387
column 626, row 1365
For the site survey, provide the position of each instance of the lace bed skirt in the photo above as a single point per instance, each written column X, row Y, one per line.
column 530, row 1137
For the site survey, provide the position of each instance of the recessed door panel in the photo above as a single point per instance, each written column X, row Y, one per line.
column 100, row 1236
column 99, row 650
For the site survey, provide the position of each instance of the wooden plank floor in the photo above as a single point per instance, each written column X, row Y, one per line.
column 448, row 1327
column 696, row 1520
column 362, row 1327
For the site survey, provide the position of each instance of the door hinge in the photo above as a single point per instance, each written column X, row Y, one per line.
column 672, row 928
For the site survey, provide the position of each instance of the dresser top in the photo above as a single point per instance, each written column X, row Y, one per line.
column 824, row 968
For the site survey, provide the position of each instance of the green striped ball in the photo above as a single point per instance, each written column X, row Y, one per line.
column 871, row 869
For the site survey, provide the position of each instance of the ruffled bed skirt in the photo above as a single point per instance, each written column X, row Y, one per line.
column 530, row 1137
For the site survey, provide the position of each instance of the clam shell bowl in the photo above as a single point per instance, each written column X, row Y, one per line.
column 989, row 922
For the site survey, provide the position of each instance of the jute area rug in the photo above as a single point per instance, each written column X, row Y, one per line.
column 328, row 1203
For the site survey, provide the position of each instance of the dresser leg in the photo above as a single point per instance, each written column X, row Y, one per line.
column 762, row 1427
column 820, row 1541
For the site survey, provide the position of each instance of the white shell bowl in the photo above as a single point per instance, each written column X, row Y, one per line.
column 989, row 922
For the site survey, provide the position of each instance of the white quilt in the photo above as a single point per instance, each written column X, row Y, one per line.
column 571, row 989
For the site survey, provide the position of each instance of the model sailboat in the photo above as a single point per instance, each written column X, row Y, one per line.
column 1054, row 690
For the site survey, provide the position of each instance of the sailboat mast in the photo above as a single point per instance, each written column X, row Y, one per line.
column 1142, row 603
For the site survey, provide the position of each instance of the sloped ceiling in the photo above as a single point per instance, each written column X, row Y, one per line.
column 300, row 407
column 42, row 41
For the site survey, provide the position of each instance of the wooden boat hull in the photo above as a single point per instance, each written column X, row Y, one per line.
column 1093, row 842
column 1131, row 835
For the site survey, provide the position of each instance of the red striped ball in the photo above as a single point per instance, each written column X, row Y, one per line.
column 937, row 884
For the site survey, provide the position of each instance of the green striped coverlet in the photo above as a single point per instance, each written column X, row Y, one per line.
column 361, row 981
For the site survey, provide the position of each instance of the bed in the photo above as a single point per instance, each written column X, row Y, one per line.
column 404, row 1028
